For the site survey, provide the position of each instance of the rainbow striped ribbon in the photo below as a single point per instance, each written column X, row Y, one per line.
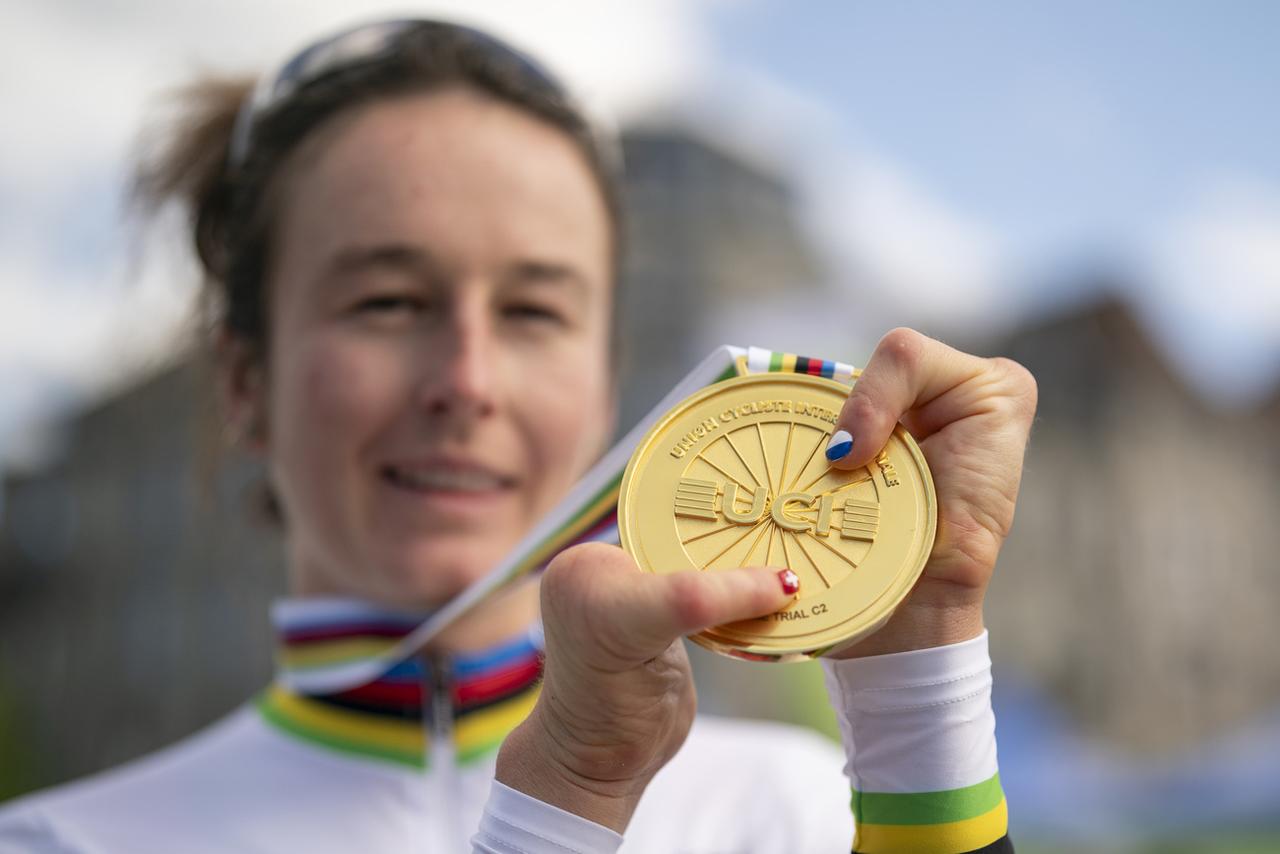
column 587, row 514
column 760, row 361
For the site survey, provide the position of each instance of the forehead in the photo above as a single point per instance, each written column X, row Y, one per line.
column 463, row 172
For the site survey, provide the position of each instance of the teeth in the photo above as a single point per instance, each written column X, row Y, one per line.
column 460, row 481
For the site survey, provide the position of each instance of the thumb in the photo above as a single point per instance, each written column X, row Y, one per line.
column 688, row 602
column 682, row 603
column 597, row 592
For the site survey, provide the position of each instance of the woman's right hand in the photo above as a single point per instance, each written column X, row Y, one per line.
column 617, row 696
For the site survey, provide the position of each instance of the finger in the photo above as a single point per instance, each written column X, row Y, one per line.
column 906, row 371
column 683, row 603
column 602, row 585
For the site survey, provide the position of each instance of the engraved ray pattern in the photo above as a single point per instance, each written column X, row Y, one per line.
column 768, row 478
column 705, row 457
column 812, row 562
column 756, row 478
column 865, row 477
column 800, row 472
column 786, row 455
column 745, row 534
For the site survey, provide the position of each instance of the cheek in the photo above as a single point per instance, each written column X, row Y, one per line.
column 567, row 413
column 331, row 396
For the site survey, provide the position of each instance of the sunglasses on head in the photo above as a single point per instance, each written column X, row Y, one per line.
column 365, row 44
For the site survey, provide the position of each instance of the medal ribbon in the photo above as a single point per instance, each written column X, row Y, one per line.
column 589, row 513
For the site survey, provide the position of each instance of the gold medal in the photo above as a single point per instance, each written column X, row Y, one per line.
column 737, row 475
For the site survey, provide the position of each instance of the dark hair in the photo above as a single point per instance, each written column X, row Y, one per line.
column 230, row 202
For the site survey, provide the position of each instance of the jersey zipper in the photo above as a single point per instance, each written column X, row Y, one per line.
column 442, row 751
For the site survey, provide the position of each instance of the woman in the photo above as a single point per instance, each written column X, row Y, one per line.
column 411, row 236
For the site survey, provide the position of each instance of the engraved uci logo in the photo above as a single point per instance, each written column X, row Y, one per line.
column 798, row 512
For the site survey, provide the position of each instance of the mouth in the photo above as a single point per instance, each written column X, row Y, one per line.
column 460, row 479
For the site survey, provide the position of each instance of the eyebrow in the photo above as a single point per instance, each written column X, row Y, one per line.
column 394, row 256
column 535, row 272
column 417, row 261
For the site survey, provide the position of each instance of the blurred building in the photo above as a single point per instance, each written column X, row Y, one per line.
column 704, row 229
column 1141, row 579
column 133, row 586
column 134, row 573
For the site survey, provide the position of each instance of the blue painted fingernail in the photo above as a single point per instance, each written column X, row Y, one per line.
column 841, row 444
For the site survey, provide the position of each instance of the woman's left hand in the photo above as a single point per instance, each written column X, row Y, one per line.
column 617, row 694
column 972, row 418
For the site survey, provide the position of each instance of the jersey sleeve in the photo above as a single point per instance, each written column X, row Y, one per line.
column 920, row 748
column 516, row 823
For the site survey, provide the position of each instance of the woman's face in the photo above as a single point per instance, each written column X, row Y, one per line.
column 437, row 374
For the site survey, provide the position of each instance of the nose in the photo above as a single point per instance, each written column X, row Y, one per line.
column 460, row 377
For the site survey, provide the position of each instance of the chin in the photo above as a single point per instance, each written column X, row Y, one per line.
column 430, row 576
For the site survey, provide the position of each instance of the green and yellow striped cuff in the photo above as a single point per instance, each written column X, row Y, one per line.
column 947, row 822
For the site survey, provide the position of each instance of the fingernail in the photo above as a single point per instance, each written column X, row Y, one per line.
column 790, row 582
column 841, row 444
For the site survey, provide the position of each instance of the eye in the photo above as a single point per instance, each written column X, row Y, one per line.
column 532, row 312
column 389, row 303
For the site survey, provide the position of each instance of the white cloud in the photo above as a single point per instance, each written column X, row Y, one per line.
column 913, row 245
column 1217, row 258
column 1228, row 249
column 69, row 334
column 886, row 233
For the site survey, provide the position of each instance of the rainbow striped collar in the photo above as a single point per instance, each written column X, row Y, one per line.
column 474, row 698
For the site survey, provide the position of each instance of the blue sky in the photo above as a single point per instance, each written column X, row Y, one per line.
column 1067, row 125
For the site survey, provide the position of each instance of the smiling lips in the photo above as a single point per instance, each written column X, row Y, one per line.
column 447, row 476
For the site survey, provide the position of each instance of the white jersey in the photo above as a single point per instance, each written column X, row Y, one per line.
column 921, row 722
